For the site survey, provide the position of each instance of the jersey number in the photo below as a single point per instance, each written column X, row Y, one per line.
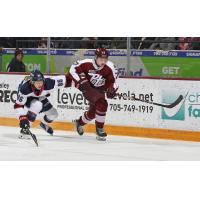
column 20, row 98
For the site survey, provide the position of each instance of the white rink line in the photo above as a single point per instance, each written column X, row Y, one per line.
column 70, row 146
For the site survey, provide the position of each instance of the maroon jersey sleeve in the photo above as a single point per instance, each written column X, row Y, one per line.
column 79, row 68
column 76, row 70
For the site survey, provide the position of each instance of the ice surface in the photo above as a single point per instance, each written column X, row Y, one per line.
column 66, row 145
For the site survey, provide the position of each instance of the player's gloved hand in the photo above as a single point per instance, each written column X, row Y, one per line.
column 84, row 85
column 24, row 122
column 90, row 93
column 111, row 92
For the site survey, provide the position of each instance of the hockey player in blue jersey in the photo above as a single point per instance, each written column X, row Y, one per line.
column 33, row 93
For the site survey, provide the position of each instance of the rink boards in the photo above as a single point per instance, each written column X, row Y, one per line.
column 125, row 116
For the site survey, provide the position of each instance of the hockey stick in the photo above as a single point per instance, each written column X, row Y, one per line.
column 175, row 103
column 33, row 137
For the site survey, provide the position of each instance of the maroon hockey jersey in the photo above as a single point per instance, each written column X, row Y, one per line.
column 100, row 78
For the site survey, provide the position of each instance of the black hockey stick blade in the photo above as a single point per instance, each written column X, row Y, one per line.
column 175, row 103
column 33, row 137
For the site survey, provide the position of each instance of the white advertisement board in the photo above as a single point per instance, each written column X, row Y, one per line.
column 122, row 110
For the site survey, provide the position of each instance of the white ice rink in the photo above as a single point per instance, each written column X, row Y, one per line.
column 70, row 146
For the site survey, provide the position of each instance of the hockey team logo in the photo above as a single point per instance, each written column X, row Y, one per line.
column 176, row 113
column 97, row 80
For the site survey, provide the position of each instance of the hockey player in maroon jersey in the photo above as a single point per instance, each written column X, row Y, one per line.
column 96, row 79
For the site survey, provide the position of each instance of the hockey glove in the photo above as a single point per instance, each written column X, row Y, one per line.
column 24, row 122
column 111, row 92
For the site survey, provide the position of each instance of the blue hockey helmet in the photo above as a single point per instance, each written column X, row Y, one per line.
column 36, row 75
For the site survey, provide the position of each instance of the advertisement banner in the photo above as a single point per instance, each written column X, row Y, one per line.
column 31, row 62
column 122, row 110
column 183, row 64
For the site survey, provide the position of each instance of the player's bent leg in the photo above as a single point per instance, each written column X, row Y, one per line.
column 48, row 118
column 100, row 116
column 87, row 117
column 34, row 109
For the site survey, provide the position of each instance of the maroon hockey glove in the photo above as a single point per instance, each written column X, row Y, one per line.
column 84, row 85
column 111, row 92
column 90, row 93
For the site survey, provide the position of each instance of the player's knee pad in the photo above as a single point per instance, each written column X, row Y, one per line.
column 36, row 106
column 101, row 105
column 51, row 115
column 31, row 116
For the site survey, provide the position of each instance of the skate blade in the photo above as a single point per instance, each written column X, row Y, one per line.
column 99, row 138
column 25, row 137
